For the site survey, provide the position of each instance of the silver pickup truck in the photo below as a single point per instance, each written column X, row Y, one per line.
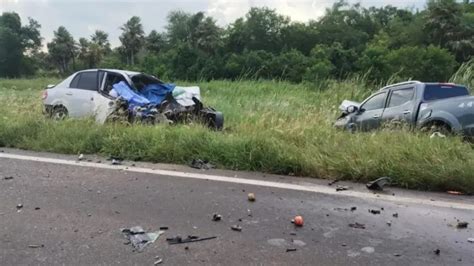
column 442, row 107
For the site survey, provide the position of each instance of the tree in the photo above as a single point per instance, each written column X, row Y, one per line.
column 132, row 38
column 11, row 48
column 426, row 64
column 320, row 65
column 262, row 29
column 207, row 36
column 350, row 26
column 102, row 40
column 15, row 42
column 62, row 50
column 155, row 42
column 92, row 52
column 197, row 30
column 450, row 26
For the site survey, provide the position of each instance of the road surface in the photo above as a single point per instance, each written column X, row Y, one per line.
column 73, row 211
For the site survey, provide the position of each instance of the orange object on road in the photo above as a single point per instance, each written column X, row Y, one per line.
column 298, row 221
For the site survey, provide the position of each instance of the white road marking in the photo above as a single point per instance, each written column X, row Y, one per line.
column 309, row 188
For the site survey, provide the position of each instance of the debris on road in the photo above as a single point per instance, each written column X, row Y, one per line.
column 80, row 157
column 236, row 228
column 298, row 220
column 201, row 164
column 290, row 249
column 251, row 197
column 357, row 225
column 462, row 225
column 437, row 251
column 368, row 250
column 353, row 209
column 395, row 215
column 379, row 183
column 179, row 240
column 19, row 206
column 163, row 227
column 36, row 246
column 389, row 223
column 37, row 208
column 333, row 182
column 158, row 260
column 216, row 217
column 8, row 178
column 116, row 162
column 139, row 238
column 374, row 211
column 470, row 240
column 452, row 192
column 342, row 188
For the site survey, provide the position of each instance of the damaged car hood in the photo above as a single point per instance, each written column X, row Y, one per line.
column 104, row 107
column 347, row 103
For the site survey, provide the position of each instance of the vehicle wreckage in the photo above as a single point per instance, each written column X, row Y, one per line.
column 119, row 95
column 435, row 107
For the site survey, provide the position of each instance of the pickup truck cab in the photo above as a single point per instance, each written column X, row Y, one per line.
column 441, row 106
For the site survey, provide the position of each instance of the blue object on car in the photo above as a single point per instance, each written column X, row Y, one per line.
column 133, row 98
column 156, row 93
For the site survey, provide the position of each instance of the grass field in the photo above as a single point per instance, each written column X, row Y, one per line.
column 272, row 127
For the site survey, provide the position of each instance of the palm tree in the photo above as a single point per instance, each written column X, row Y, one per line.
column 132, row 38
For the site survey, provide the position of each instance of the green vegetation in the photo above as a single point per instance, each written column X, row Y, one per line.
column 281, row 123
column 274, row 127
column 388, row 43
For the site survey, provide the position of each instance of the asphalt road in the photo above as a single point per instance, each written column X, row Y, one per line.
column 74, row 214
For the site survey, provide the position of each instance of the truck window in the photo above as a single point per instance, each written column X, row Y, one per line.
column 400, row 97
column 376, row 102
column 443, row 91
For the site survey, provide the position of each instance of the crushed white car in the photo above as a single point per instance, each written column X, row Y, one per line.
column 110, row 95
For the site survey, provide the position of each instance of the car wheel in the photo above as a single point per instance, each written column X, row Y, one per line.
column 216, row 121
column 59, row 113
column 437, row 129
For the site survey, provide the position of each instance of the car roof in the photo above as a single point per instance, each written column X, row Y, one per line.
column 123, row 72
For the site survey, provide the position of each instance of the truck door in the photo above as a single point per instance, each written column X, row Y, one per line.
column 370, row 112
column 400, row 106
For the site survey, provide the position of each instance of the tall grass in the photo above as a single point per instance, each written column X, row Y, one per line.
column 465, row 75
column 274, row 127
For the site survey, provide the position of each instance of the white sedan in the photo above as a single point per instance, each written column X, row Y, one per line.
column 90, row 93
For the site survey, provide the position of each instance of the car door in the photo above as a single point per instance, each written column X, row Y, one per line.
column 81, row 93
column 400, row 106
column 104, row 104
column 370, row 112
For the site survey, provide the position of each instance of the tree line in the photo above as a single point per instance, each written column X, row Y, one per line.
column 379, row 43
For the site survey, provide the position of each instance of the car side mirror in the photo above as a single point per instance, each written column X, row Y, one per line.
column 50, row 86
column 352, row 109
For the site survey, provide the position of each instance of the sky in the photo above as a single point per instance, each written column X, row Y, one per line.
column 83, row 17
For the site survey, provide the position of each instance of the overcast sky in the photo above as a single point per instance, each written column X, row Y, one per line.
column 83, row 17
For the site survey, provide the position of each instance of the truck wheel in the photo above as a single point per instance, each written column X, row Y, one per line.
column 59, row 113
column 437, row 127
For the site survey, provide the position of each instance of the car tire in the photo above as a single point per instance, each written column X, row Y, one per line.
column 437, row 128
column 59, row 113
